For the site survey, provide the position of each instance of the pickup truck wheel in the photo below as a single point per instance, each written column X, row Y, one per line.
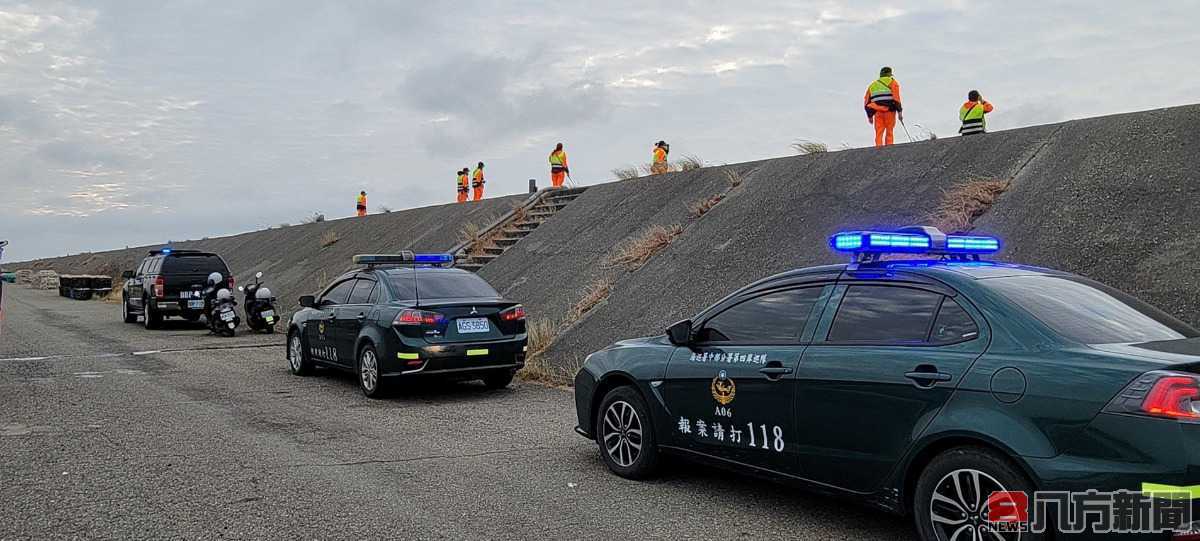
column 128, row 316
column 153, row 319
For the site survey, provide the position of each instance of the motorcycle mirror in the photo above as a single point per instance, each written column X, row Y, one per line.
column 258, row 274
column 241, row 288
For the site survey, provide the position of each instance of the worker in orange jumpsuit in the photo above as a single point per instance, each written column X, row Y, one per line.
column 659, row 165
column 361, row 205
column 882, row 104
column 463, row 189
column 477, row 181
column 558, row 166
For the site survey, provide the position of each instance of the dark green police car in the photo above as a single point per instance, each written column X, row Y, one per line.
column 962, row 391
column 408, row 315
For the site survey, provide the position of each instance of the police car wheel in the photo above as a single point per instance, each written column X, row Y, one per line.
column 126, row 315
column 625, row 434
column 369, row 378
column 151, row 319
column 950, row 498
column 299, row 363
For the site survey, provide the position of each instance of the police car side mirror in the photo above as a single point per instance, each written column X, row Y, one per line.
column 308, row 301
column 126, row 275
column 680, row 333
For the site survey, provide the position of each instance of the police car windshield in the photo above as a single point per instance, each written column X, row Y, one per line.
column 1089, row 312
column 438, row 284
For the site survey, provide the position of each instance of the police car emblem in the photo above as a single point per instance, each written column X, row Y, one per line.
column 723, row 389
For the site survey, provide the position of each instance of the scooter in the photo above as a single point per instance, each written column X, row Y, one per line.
column 219, row 303
column 259, row 306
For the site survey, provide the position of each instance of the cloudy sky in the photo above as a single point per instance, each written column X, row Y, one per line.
column 126, row 123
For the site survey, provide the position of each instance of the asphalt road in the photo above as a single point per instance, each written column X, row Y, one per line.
column 108, row 430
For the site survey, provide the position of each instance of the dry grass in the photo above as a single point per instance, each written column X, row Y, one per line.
column 329, row 239
column 735, row 178
column 963, row 203
column 689, row 163
column 805, row 147
column 117, row 295
column 700, row 207
column 924, row 133
column 520, row 213
column 626, row 173
column 542, row 333
column 316, row 217
column 636, row 251
column 385, row 209
column 596, row 292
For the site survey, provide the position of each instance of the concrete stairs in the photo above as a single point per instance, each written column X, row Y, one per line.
column 513, row 227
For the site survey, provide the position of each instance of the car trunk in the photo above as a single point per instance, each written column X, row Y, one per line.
column 465, row 320
column 1182, row 354
column 189, row 275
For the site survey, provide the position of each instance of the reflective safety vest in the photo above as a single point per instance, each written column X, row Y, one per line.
column 558, row 160
column 477, row 181
column 462, row 182
column 880, row 93
column 973, row 121
column 362, row 201
column 660, row 154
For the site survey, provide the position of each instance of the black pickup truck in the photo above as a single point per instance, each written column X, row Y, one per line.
column 170, row 282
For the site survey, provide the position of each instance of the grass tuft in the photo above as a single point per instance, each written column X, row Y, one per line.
column 316, row 218
column 329, row 239
column 805, row 147
column 700, row 207
column 596, row 292
column 636, row 251
column 963, row 203
column 689, row 163
column 735, row 178
column 626, row 173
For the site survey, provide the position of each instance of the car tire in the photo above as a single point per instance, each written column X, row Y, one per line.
column 299, row 363
column 372, row 383
column 625, row 434
column 152, row 319
column 126, row 314
column 498, row 379
column 963, row 478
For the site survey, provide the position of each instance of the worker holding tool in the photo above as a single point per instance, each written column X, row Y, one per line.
column 882, row 104
column 361, row 204
column 463, row 189
column 477, row 182
column 558, row 166
column 971, row 114
column 659, row 165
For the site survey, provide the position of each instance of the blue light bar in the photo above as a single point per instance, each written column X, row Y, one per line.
column 972, row 245
column 166, row 251
column 880, row 241
column 403, row 258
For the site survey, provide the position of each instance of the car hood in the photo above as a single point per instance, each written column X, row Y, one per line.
column 660, row 340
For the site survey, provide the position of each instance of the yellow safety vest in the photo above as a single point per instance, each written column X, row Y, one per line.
column 972, row 117
column 881, row 90
column 557, row 158
column 362, row 201
column 477, row 181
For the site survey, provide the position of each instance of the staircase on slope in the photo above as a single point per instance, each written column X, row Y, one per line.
column 519, row 224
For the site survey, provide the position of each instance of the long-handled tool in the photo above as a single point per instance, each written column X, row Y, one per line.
column 570, row 181
column 910, row 139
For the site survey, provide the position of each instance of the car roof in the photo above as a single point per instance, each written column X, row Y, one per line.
column 401, row 269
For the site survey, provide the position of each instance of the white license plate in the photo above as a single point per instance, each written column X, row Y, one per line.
column 473, row 325
column 227, row 316
column 268, row 314
column 196, row 303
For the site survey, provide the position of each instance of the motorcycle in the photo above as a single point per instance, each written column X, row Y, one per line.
column 259, row 306
column 219, row 307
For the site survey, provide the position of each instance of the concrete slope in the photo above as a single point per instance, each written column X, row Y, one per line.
column 293, row 258
column 1114, row 199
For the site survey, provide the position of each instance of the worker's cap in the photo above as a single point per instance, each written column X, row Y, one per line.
column 660, row 143
column 480, row 164
column 364, row 192
column 885, row 72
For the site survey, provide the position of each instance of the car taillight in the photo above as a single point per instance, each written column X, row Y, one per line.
column 516, row 313
column 231, row 283
column 160, row 287
column 418, row 317
column 1173, row 395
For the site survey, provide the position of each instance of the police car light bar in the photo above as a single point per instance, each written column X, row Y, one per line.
column 912, row 240
column 403, row 258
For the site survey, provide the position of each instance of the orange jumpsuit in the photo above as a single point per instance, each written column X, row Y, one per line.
column 361, row 205
column 884, row 118
column 462, row 188
column 477, row 183
column 659, row 165
column 558, row 168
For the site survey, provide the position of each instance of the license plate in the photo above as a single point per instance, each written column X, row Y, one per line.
column 196, row 304
column 473, row 325
column 268, row 314
column 227, row 315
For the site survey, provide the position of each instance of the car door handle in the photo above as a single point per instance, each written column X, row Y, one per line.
column 927, row 375
column 775, row 372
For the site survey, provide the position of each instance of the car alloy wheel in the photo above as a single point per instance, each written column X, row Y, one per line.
column 959, row 509
column 621, row 433
column 295, row 352
column 368, row 370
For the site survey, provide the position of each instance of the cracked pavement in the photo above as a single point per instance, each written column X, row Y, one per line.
column 108, row 430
